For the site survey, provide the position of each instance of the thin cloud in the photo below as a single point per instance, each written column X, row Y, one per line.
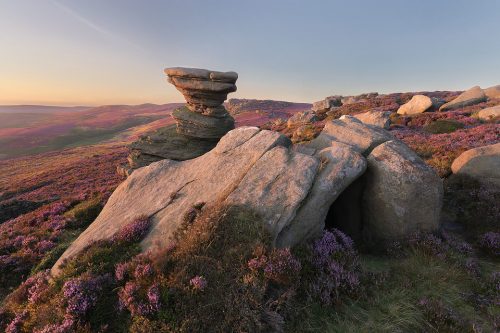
column 93, row 25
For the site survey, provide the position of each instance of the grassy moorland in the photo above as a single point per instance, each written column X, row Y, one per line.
column 221, row 274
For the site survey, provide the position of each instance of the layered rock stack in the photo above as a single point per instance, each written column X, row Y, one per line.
column 199, row 125
column 204, row 116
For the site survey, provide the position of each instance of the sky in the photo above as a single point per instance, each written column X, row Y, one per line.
column 95, row 52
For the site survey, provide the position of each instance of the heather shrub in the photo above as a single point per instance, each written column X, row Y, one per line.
column 472, row 204
column 443, row 318
column 332, row 269
column 443, row 126
column 490, row 243
column 85, row 212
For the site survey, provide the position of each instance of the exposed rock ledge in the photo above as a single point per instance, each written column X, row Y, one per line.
column 291, row 187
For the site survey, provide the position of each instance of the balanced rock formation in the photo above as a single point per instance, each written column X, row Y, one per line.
column 492, row 92
column 419, row 104
column 469, row 97
column 482, row 163
column 489, row 113
column 377, row 118
column 199, row 125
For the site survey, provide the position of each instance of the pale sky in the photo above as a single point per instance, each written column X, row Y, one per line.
column 94, row 52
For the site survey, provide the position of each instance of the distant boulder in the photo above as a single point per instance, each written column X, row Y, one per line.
column 377, row 118
column 489, row 113
column 325, row 105
column 472, row 96
column 301, row 118
column 419, row 104
column 482, row 163
column 492, row 92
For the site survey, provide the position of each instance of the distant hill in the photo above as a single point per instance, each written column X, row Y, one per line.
column 40, row 108
column 31, row 129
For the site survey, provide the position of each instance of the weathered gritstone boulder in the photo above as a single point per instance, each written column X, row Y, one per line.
column 351, row 131
column 199, row 124
column 326, row 104
column 346, row 100
column 419, row 104
column 472, row 96
column 482, row 163
column 402, row 194
column 489, row 113
column 301, row 118
column 492, row 92
column 376, row 118
column 342, row 166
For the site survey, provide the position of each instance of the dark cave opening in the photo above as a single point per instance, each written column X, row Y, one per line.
column 345, row 213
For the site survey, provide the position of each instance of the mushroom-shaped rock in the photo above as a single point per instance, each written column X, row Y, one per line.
column 469, row 97
column 402, row 194
column 482, row 163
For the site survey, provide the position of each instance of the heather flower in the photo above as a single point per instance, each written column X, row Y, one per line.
column 65, row 327
column 336, row 267
column 132, row 298
column 428, row 244
column 490, row 243
column 45, row 245
column 282, row 266
column 198, row 283
column 257, row 263
column 143, row 270
column 135, row 231
column 82, row 293
column 121, row 270
column 16, row 324
column 472, row 267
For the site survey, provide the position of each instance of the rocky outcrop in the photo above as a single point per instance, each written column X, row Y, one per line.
column 351, row 131
column 482, row 163
column 492, row 92
column 346, row 100
column 292, row 187
column 472, row 96
column 377, row 118
column 301, row 118
column 489, row 113
column 419, row 104
column 199, row 124
column 402, row 194
column 325, row 105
